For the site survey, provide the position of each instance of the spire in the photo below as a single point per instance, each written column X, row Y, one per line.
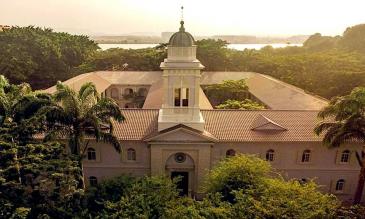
column 182, row 28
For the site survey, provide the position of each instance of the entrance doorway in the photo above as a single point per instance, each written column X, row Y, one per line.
column 183, row 184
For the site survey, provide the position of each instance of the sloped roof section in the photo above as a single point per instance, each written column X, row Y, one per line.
column 138, row 124
column 273, row 93
column 236, row 125
column 202, row 134
column 76, row 82
column 228, row 125
column 262, row 123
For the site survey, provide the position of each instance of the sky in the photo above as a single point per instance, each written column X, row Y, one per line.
column 202, row 17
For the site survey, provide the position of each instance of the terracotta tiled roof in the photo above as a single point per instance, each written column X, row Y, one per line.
column 138, row 124
column 263, row 123
column 235, row 125
column 228, row 125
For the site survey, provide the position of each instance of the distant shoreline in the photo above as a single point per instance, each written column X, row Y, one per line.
column 237, row 46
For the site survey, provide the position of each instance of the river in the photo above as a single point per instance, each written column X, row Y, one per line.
column 231, row 46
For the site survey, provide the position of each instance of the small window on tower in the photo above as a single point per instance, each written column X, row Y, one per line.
column 185, row 97
column 177, row 96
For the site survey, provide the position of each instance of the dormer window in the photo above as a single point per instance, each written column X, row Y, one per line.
column 181, row 97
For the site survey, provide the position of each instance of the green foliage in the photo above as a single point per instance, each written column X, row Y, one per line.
column 317, row 42
column 343, row 120
column 212, row 53
column 247, row 183
column 355, row 211
column 38, row 179
column 19, row 107
column 114, row 59
column 229, row 89
column 353, row 39
column 244, row 105
column 40, row 56
column 148, row 197
column 77, row 114
column 108, row 191
column 240, row 172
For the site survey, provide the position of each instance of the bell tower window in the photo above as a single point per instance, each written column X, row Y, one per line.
column 185, row 97
column 181, row 97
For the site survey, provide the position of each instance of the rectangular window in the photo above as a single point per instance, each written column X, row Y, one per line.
column 177, row 96
column 185, row 97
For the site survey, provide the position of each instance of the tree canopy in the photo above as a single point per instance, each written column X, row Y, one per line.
column 40, row 56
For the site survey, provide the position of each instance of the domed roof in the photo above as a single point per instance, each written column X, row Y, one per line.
column 181, row 38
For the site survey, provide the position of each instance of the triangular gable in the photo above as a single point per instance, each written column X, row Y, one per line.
column 262, row 123
column 182, row 133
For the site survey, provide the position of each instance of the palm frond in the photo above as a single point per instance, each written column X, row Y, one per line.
column 107, row 108
column 88, row 89
column 111, row 139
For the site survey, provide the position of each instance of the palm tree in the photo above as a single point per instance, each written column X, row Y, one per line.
column 77, row 115
column 80, row 115
column 343, row 120
column 19, row 106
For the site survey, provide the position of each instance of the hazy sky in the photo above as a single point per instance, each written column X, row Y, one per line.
column 202, row 17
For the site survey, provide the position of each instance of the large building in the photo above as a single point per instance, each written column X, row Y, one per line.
column 177, row 132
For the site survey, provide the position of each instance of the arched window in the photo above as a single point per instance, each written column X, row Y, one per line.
column 93, row 181
column 270, row 155
column 91, row 154
column 128, row 91
column 306, row 156
column 115, row 93
column 340, row 184
column 345, row 156
column 230, row 153
column 131, row 154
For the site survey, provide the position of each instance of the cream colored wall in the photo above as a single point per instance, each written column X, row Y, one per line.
column 110, row 163
column 324, row 167
column 199, row 152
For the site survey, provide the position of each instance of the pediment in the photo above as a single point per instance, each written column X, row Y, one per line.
column 182, row 134
column 263, row 123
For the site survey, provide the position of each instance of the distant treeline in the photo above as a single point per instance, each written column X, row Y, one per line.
column 326, row 66
column 244, row 39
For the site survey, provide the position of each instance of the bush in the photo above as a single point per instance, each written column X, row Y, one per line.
column 248, row 183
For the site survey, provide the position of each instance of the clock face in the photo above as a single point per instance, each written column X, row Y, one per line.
column 180, row 157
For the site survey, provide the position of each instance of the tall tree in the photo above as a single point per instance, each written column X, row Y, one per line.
column 343, row 120
column 79, row 114
column 19, row 107
column 76, row 115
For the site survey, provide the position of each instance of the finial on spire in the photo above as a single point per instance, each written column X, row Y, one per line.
column 182, row 28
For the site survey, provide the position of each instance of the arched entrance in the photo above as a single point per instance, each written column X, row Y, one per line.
column 182, row 165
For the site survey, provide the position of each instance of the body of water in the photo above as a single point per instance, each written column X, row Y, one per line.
column 231, row 46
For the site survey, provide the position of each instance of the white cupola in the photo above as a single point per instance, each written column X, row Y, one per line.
column 181, row 83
